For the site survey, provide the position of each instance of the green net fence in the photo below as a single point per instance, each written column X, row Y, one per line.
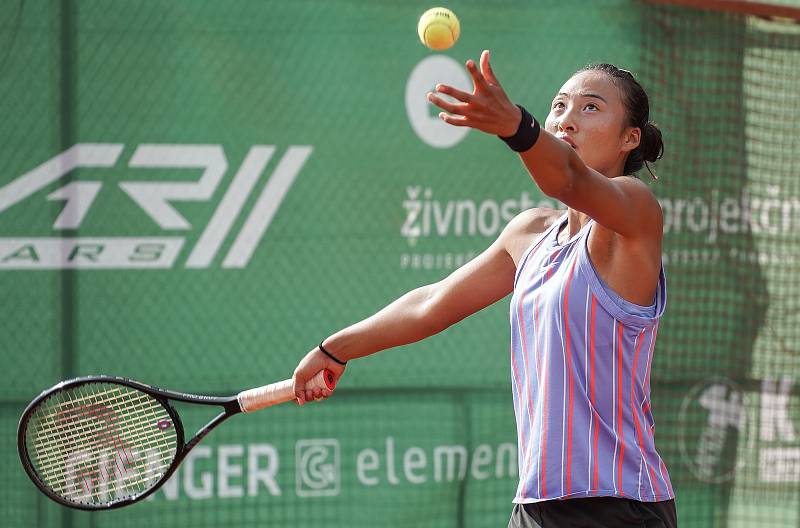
column 724, row 88
column 194, row 193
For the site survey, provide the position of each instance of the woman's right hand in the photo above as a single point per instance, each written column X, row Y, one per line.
column 310, row 366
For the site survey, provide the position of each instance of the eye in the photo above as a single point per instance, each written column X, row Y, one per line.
column 590, row 106
column 558, row 104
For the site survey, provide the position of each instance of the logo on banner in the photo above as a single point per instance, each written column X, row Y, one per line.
column 229, row 471
column 424, row 116
column 318, row 467
column 713, row 420
column 722, row 429
column 431, row 221
column 156, row 200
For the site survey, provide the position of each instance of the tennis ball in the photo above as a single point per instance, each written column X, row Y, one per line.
column 438, row 28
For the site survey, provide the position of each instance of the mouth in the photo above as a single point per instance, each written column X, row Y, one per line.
column 568, row 140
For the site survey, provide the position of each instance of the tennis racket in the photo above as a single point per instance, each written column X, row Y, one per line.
column 102, row 442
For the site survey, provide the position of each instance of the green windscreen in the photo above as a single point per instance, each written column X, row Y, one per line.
column 194, row 193
column 724, row 88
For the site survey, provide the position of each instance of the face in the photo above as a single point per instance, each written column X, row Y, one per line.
column 588, row 113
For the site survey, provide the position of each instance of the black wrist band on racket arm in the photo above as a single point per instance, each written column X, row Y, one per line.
column 339, row 361
column 526, row 135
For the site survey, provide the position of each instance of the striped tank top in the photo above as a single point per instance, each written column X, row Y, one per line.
column 580, row 367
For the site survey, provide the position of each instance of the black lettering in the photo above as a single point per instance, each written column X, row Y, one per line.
column 26, row 252
column 147, row 252
column 90, row 252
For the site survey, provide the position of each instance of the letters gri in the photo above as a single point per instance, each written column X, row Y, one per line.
column 155, row 199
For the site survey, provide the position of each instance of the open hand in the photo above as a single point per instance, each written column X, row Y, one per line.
column 487, row 108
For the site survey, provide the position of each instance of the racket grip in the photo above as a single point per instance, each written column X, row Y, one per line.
column 281, row 392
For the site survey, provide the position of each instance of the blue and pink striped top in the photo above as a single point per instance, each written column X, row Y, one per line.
column 580, row 367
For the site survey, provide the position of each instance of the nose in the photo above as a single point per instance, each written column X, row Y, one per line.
column 566, row 123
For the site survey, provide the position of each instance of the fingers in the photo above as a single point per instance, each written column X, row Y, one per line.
column 454, row 120
column 486, row 69
column 462, row 96
column 477, row 76
column 480, row 77
column 453, row 108
column 459, row 109
column 303, row 394
column 304, row 378
column 316, row 394
column 299, row 385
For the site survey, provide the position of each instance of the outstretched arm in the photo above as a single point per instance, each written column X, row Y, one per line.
column 623, row 204
column 419, row 313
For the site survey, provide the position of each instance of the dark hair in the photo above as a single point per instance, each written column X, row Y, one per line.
column 651, row 145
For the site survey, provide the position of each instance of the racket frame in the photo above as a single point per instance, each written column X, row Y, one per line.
column 230, row 405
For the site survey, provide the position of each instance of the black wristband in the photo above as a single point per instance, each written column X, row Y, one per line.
column 526, row 135
column 331, row 355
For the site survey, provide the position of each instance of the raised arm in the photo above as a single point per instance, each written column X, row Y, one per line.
column 622, row 204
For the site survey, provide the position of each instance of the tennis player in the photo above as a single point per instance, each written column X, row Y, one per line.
column 588, row 293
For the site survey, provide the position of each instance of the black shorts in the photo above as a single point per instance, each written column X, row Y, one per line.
column 594, row 512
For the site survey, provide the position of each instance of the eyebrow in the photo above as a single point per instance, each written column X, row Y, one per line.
column 584, row 94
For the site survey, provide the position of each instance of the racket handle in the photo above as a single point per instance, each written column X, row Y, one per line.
column 281, row 392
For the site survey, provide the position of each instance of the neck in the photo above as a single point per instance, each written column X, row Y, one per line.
column 615, row 169
column 575, row 221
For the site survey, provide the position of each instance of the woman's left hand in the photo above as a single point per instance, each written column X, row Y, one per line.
column 487, row 108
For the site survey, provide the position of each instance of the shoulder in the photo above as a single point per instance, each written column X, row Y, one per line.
column 634, row 184
column 534, row 221
column 521, row 231
column 642, row 202
column 638, row 191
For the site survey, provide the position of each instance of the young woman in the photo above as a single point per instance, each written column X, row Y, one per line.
column 588, row 292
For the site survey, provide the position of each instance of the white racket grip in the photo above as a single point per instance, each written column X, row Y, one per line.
column 281, row 392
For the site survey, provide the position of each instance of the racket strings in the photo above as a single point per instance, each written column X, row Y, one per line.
column 44, row 443
column 80, row 424
column 73, row 428
column 122, row 459
column 112, row 439
column 69, row 438
column 95, row 440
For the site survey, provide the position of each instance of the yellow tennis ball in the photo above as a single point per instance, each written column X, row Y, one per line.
column 438, row 28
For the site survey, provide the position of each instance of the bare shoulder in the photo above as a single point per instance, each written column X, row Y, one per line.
column 520, row 232
column 535, row 220
column 643, row 201
column 632, row 182
column 641, row 192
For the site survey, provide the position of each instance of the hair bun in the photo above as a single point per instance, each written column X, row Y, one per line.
column 651, row 143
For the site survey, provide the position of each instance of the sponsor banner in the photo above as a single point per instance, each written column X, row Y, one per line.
column 727, row 432
column 89, row 252
column 156, row 200
column 324, row 467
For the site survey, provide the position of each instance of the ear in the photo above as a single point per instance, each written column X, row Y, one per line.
column 631, row 138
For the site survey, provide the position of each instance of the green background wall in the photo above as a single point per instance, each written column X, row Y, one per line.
column 289, row 132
